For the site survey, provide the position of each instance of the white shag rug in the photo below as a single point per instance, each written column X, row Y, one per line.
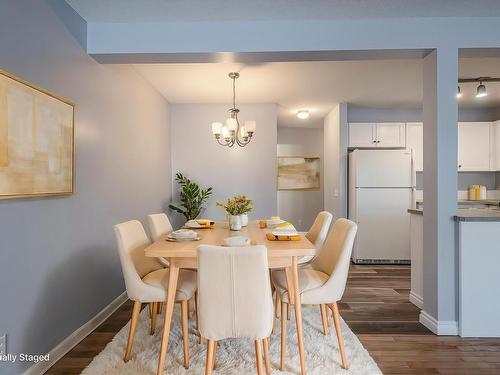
column 234, row 356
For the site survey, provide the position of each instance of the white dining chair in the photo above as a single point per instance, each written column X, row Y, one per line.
column 323, row 282
column 146, row 281
column 235, row 299
column 159, row 225
column 317, row 233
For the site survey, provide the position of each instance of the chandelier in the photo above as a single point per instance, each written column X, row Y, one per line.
column 232, row 132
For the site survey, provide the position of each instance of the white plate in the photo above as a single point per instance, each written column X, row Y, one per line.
column 275, row 222
column 193, row 224
column 236, row 241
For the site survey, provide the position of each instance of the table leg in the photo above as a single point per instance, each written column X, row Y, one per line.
column 169, row 309
column 298, row 314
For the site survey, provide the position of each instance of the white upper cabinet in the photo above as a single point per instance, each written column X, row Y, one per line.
column 415, row 141
column 362, row 134
column 495, row 146
column 474, row 146
column 391, row 134
column 382, row 135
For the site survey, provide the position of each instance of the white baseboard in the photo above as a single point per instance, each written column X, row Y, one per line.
column 72, row 340
column 416, row 300
column 440, row 328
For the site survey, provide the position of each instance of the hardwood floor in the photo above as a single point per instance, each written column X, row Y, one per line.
column 376, row 308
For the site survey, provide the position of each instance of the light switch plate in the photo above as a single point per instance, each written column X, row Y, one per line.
column 3, row 345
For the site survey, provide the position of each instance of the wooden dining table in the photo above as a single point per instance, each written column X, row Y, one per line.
column 281, row 254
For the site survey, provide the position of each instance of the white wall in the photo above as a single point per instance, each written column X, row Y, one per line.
column 300, row 207
column 250, row 170
column 335, row 161
column 59, row 264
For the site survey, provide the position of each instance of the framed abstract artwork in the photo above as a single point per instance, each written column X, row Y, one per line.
column 37, row 141
column 298, row 173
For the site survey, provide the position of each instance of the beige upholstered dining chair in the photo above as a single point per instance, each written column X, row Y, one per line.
column 159, row 225
column 323, row 282
column 317, row 233
column 235, row 299
column 146, row 281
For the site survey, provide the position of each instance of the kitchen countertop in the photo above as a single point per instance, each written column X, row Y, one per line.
column 486, row 202
column 468, row 214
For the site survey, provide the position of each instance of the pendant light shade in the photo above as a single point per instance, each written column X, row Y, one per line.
column 481, row 91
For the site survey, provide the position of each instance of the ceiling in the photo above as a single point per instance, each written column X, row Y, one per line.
column 317, row 86
column 231, row 10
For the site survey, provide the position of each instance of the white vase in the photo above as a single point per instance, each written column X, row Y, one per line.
column 244, row 220
column 235, row 222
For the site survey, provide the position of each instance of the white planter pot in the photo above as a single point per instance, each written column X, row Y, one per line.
column 244, row 220
column 235, row 222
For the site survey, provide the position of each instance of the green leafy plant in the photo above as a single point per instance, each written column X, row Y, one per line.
column 237, row 205
column 192, row 197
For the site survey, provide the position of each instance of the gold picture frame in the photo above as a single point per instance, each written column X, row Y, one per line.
column 37, row 141
column 298, row 173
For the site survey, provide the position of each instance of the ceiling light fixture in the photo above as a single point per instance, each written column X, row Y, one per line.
column 232, row 132
column 303, row 114
column 481, row 91
column 459, row 93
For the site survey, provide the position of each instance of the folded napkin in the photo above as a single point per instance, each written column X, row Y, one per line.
column 184, row 234
column 201, row 223
column 283, row 236
column 205, row 222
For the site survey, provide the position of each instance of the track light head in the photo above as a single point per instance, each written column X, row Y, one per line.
column 481, row 91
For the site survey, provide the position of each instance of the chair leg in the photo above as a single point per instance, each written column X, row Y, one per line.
column 258, row 356
column 133, row 325
column 185, row 333
column 160, row 307
column 210, row 357
column 215, row 355
column 154, row 311
column 288, row 311
column 340, row 338
column 267, row 357
column 150, row 308
column 283, row 336
column 324, row 319
column 277, row 305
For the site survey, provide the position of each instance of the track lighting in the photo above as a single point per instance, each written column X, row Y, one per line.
column 481, row 91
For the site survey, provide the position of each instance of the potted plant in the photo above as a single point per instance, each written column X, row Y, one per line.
column 237, row 209
column 192, row 197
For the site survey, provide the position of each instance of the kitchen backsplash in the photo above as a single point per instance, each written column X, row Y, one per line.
column 489, row 179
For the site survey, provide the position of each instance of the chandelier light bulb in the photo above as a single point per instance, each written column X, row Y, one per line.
column 216, row 128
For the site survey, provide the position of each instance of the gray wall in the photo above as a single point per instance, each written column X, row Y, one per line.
column 58, row 260
column 300, row 207
column 335, row 161
column 365, row 114
column 250, row 170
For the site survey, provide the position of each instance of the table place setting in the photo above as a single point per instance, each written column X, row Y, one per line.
column 183, row 235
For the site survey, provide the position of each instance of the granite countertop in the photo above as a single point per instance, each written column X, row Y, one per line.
column 467, row 214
